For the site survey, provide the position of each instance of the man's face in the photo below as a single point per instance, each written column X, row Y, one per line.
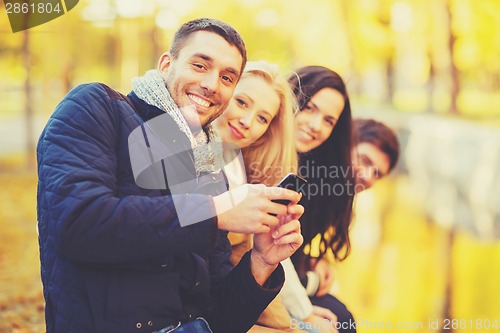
column 201, row 80
column 370, row 164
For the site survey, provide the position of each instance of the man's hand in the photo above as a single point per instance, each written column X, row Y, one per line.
column 247, row 208
column 326, row 277
column 278, row 244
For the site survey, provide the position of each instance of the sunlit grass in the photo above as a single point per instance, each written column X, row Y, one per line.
column 21, row 300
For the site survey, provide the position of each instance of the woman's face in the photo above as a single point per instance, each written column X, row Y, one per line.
column 315, row 122
column 249, row 113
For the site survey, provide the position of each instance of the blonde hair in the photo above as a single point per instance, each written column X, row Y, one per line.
column 273, row 155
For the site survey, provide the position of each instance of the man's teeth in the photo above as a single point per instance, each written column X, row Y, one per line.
column 199, row 101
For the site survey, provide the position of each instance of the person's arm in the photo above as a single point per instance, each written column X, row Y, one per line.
column 247, row 208
column 239, row 299
column 78, row 158
column 243, row 293
column 270, row 248
column 312, row 281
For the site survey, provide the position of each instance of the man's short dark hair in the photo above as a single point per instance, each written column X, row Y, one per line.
column 379, row 135
column 208, row 24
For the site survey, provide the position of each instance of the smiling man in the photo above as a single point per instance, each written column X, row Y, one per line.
column 202, row 79
column 375, row 153
column 114, row 255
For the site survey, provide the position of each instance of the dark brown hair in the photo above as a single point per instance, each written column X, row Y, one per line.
column 327, row 215
column 208, row 24
column 379, row 135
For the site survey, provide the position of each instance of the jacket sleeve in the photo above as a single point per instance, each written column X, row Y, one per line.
column 239, row 299
column 78, row 158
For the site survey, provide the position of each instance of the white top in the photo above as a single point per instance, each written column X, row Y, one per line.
column 293, row 294
column 235, row 169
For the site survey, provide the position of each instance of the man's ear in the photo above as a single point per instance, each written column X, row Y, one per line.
column 164, row 61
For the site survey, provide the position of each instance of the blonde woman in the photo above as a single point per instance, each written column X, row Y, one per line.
column 259, row 121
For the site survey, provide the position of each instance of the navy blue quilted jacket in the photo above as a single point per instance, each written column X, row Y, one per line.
column 113, row 255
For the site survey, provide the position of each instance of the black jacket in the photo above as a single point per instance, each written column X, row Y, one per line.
column 113, row 255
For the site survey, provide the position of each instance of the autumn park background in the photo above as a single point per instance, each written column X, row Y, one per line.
column 425, row 240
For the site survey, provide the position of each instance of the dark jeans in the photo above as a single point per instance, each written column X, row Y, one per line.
column 345, row 319
column 199, row 325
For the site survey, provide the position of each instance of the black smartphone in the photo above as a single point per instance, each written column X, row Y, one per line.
column 294, row 183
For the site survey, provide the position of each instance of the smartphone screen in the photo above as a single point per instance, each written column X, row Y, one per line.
column 294, row 183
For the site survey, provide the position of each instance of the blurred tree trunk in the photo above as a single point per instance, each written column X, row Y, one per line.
column 448, row 271
column 129, row 35
column 28, row 98
column 156, row 51
column 454, row 75
column 349, row 28
column 390, row 58
column 389, row 72
column 431, row 84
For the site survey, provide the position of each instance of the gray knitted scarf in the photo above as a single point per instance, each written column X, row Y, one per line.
column 152, row 89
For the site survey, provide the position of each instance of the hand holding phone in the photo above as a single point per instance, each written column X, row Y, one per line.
column 294, row 183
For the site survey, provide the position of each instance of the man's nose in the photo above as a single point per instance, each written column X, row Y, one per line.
column 365, row 178
column 369, row 176
column 210, row 82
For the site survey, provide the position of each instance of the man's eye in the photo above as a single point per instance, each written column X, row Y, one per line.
column 364, row 160
column 227, row 78
column 199, row 66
